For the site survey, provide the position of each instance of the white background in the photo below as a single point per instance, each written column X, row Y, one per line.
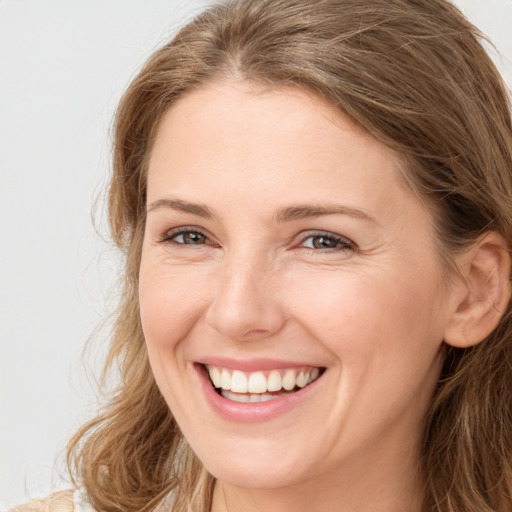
column 63, row 67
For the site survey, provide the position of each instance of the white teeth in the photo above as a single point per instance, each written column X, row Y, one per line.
column 239, row 382
column 302, row 379
column 274, row 381
column 289, row 380
column 243, row 397
column 250, row 398
column 259, row 383
column 225, row 379
column 216, row 377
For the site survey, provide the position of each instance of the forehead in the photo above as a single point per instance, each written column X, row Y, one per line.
column 255, row 134
column 218, row 103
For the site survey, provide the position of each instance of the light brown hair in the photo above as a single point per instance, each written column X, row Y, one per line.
column 414, row 74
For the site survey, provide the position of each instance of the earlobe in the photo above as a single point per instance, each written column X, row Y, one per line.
column 483, row 291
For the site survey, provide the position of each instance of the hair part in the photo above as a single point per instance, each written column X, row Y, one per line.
column 413, row 74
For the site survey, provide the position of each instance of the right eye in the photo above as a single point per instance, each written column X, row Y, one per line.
column 189, row 238
column 185, row 236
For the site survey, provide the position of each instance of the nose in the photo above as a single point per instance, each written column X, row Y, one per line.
column 246, row 304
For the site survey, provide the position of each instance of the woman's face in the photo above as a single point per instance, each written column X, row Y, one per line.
column 284, row 257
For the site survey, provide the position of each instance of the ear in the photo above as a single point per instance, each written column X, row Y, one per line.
column 483, row 293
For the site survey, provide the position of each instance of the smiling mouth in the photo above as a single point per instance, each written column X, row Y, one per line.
column 260, row 386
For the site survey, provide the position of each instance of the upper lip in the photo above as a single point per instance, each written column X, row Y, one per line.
column 252, row 365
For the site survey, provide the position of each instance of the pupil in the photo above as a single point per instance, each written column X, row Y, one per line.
column 193, row 238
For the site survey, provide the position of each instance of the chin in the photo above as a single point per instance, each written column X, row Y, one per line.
column 259, row 463
column 256, row 477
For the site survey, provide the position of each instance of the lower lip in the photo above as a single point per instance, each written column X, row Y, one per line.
column 252, row 412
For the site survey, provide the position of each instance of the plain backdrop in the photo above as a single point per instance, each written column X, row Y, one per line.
column 63, row 66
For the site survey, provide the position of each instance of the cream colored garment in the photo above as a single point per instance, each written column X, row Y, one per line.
column 61, row 501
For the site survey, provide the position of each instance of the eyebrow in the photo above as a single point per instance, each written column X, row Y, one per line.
column 311, row 211
column 285, row 214
column 183, row 206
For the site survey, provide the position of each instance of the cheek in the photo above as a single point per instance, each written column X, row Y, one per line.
column 360, row 315
column 169, row 303
column 385, row 339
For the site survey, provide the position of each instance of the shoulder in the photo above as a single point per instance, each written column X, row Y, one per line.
column 61, row 501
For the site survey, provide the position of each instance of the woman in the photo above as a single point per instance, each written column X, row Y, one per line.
column 315, row 202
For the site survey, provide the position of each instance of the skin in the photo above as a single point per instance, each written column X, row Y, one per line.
column 371, row 309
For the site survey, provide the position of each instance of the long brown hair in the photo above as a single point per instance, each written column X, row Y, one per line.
column 414, row 74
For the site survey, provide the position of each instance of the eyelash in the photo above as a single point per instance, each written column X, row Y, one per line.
column 340, row 243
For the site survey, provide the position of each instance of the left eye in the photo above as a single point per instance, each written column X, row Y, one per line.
column 326, row 241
